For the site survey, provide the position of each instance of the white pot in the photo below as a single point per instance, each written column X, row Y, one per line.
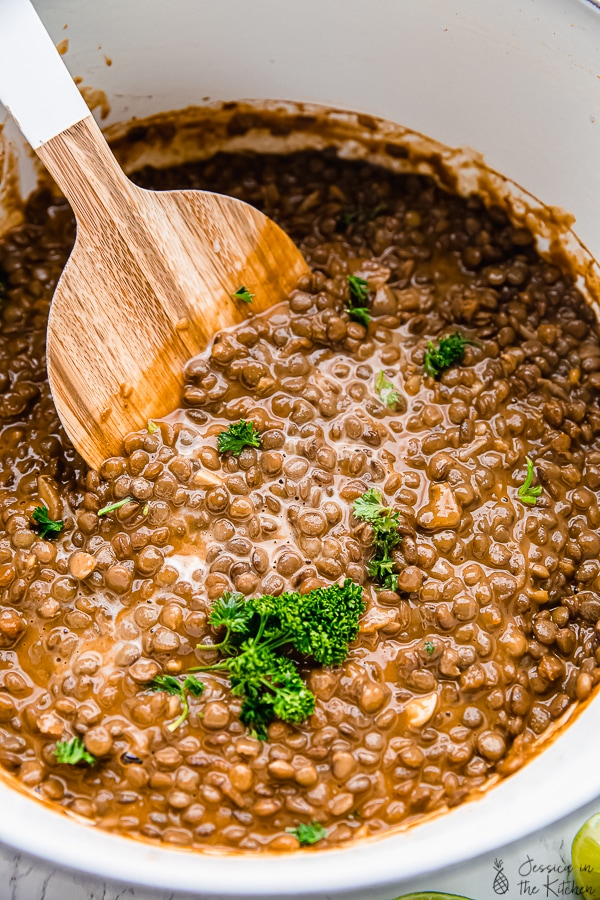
column 518, row 80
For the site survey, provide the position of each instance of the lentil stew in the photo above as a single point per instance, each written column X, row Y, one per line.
column 481, row 630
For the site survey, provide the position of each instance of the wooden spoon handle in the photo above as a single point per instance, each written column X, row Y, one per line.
column 38, row 90
column 83, row 166
column 35, row 84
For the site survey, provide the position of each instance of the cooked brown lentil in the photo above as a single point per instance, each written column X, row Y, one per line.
column 493, row 632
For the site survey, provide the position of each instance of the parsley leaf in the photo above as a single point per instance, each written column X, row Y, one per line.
column 360, row 215
column 177, row 688
column 259, row 634
column 358, row 287
column 450, row 350
column 239, row 435
column 368, row 506
column 347, row 218
column 384, row 522
column 152, row 427
column 113, row 506
column 270, row 685
column 48, row 528
column 73, row 752
column 526, row 493
column 358, row 290
column 359, row 314
column 308, row 834
column 230, row 611
column 386, row 390
column 243, row 294
column 429, row 648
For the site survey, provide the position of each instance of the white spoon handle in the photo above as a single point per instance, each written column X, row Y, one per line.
column 35, row 84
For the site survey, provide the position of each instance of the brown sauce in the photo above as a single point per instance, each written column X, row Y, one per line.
column 491, row 636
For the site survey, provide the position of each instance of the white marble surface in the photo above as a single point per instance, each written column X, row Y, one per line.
column 536, row 867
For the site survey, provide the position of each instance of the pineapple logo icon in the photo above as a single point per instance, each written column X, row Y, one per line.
column 500, row 884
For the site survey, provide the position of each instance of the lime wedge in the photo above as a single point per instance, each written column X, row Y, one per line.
column 585, row 857
column 431, row 895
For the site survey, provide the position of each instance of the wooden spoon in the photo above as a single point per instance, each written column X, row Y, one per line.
column 150, row 278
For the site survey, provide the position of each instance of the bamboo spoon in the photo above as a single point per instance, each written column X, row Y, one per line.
column 150, row 278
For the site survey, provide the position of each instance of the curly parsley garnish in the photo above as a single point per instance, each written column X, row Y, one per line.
column 358, row 292
column 47, row 527
column 233, row 614
column 526, row 493
column 308, row 834
column 386, row 390
column 73, row 752
column 261, row 632
column 384, row 522
column 177, row 688
column 450, row 350
column 239, row 435
column 429, row 648
column 242, row 294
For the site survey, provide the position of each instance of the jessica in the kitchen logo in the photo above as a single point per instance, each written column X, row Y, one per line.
column 541, row 879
